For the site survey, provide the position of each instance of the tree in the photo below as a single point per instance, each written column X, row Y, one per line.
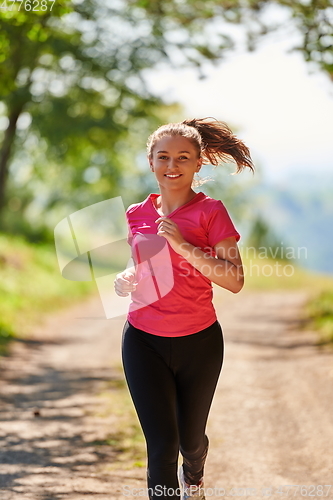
column 76, row 73
column 80, row 94
column 203, row 25
column 264, row 239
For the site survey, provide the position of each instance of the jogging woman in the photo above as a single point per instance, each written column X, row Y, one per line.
column 172, row 346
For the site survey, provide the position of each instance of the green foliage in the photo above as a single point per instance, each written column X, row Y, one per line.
column 6, row 335
column 203, row 25
column 263, row 239
column 314, row 21
column 31, row 285
column 78, row 105
column 77, row 82
column 320, row 312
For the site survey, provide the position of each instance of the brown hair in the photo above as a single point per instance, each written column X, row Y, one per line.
column 213, row 140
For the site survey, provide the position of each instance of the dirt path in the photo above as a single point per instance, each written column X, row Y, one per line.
column 270, row 423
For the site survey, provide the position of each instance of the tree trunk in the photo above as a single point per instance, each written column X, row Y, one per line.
column 6, row 150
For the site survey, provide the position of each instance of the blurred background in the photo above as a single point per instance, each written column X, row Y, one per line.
column 84, row 83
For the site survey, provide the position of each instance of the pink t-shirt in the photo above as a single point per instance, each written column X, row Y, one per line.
column 173, row 299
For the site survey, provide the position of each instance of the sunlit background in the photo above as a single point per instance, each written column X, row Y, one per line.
column 83, row 86
column 283, row 109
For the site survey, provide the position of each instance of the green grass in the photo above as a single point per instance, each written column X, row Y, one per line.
column 31, row 286
column 320, row 313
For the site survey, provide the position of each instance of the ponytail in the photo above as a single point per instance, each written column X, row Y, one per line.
column 219, row 144
column 213, row 140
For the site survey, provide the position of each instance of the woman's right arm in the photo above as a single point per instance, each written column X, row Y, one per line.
column 125, row 281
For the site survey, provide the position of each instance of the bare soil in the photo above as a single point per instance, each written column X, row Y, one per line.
column 270, row 423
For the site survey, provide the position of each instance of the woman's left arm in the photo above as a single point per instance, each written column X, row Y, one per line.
column 225, row 270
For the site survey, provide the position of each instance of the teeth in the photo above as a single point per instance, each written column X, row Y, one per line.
column 174, row 175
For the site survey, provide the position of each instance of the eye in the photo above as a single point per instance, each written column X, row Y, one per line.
column 162, row 157
column 183, row 157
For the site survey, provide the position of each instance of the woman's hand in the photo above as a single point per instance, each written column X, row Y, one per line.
column 125, row 283
column 170, row 231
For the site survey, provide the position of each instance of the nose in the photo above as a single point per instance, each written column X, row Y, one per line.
column 172, row 163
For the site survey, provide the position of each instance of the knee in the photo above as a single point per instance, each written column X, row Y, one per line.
column 164, row 451
column 191, row 451
column 194, row 447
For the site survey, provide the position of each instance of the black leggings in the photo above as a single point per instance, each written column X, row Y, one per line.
column 172, row 381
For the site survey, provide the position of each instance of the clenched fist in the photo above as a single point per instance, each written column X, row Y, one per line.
column 125, row 283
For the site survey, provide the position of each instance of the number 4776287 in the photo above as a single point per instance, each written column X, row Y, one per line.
column 28, row 5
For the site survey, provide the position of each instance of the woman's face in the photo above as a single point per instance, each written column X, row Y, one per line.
column 175, row 161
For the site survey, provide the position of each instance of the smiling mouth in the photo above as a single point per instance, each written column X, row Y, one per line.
column 173, row 176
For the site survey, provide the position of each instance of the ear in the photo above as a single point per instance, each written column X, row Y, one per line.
column 150, row 161
column 200, row 160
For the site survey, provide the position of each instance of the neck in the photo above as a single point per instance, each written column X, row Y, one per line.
column 169, row 201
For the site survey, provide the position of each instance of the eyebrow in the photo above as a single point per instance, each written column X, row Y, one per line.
column 178, row 152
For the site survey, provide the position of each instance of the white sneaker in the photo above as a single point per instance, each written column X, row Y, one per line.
column 190, row 491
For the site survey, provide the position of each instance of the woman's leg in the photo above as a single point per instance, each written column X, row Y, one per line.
column 198, row 361
column 153, row 390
